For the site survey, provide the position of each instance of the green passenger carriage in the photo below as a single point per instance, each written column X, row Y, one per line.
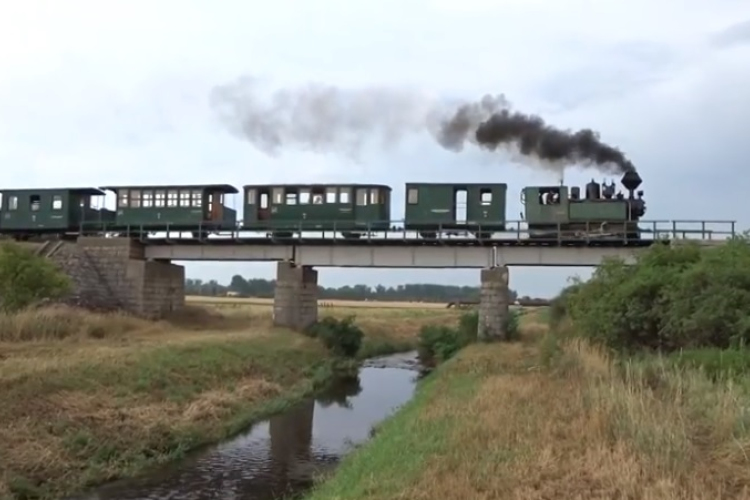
column 286, row 209
column 433, row 208
column 30, row 212
column 199, row 209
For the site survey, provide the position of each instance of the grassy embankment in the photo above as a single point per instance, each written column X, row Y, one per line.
column 641, row 390
column 87, row 397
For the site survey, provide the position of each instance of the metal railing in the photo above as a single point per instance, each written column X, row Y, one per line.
column 496, row 231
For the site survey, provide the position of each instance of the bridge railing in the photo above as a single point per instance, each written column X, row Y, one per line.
column 518, row 231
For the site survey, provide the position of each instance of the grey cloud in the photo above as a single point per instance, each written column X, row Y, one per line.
column 733, row 35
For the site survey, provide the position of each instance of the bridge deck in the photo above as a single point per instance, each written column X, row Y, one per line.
column 332, row 254
column 516, row 233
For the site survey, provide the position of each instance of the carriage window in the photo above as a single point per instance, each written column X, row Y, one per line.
column 291, row 198
column 278, row 196
column 135, row 198
column 122, row 199
column 413, row 196
column 13, row 203
column 147, row 199
column 344, row 195
column 317, row 198
column 197, row 198
column 184, row 198
column 331, row 195
column 383, row 196
column 361, row 197
column 159, row 198
column 486, row 197
column 57, row 202
column 85, row 202
column 304, row 196
column 250, row 196
column 172, row 197
column 373, row 196
column 34, row 202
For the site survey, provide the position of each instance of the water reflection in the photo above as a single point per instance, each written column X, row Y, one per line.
column 281, row 456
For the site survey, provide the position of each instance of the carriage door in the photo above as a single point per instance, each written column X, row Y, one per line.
column 264, row 203
column 215, row 206
column 481, row 204
column 459, row 206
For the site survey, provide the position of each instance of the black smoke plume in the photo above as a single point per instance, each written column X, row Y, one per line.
column 325, row 119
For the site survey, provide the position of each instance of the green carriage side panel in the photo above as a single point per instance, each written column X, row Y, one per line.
column 186, row 207
column 428, row 205
column 316, row 207
column 599, row 210
column 50, row 210
column 476, row 206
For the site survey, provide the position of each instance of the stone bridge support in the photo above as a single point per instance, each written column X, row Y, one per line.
column 112, row 273
column 295, row 301
column 494, row 304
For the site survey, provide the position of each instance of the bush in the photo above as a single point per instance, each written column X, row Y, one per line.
column 27, row 279
column 673, row 298
column 341, row 337
column 717, row 364
column 438, row 343
column 513, row 324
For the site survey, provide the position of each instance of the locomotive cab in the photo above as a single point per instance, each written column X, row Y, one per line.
column 560, row 212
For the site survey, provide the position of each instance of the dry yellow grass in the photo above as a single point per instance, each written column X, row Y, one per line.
column 86, row 397
column 526, row 421
column 355, row 304
column 397, row 323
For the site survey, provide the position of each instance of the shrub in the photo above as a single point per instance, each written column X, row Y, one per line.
column 27, row 279
column 468, row 325
column 341, row 336
column 717, row 364
column 679, row 297
column 513, row 324
column 438, row 343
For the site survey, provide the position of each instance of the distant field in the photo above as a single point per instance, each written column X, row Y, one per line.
column 251, row 301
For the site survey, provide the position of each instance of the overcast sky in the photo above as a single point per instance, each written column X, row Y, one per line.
column 95, row 93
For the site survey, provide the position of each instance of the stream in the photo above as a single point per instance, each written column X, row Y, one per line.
column 279, row 457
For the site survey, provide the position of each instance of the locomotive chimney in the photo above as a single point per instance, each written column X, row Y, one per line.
column 631, row 180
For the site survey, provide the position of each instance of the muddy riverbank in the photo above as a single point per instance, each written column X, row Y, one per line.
column 284, row 454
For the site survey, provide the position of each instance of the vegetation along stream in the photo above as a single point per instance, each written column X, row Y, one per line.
column 280, row 457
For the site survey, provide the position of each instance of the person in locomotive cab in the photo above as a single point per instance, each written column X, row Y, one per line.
column 555, row 198
column 317, row 199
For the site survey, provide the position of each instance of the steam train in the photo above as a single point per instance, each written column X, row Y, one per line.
column 282, row 210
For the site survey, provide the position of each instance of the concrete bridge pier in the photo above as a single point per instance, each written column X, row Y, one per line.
column 113, row 273
column 494, row 304
column 295, row 301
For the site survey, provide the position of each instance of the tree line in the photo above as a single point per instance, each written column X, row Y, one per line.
column 256, row 287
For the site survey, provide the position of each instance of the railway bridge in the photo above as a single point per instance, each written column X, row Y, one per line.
column 138, row 273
